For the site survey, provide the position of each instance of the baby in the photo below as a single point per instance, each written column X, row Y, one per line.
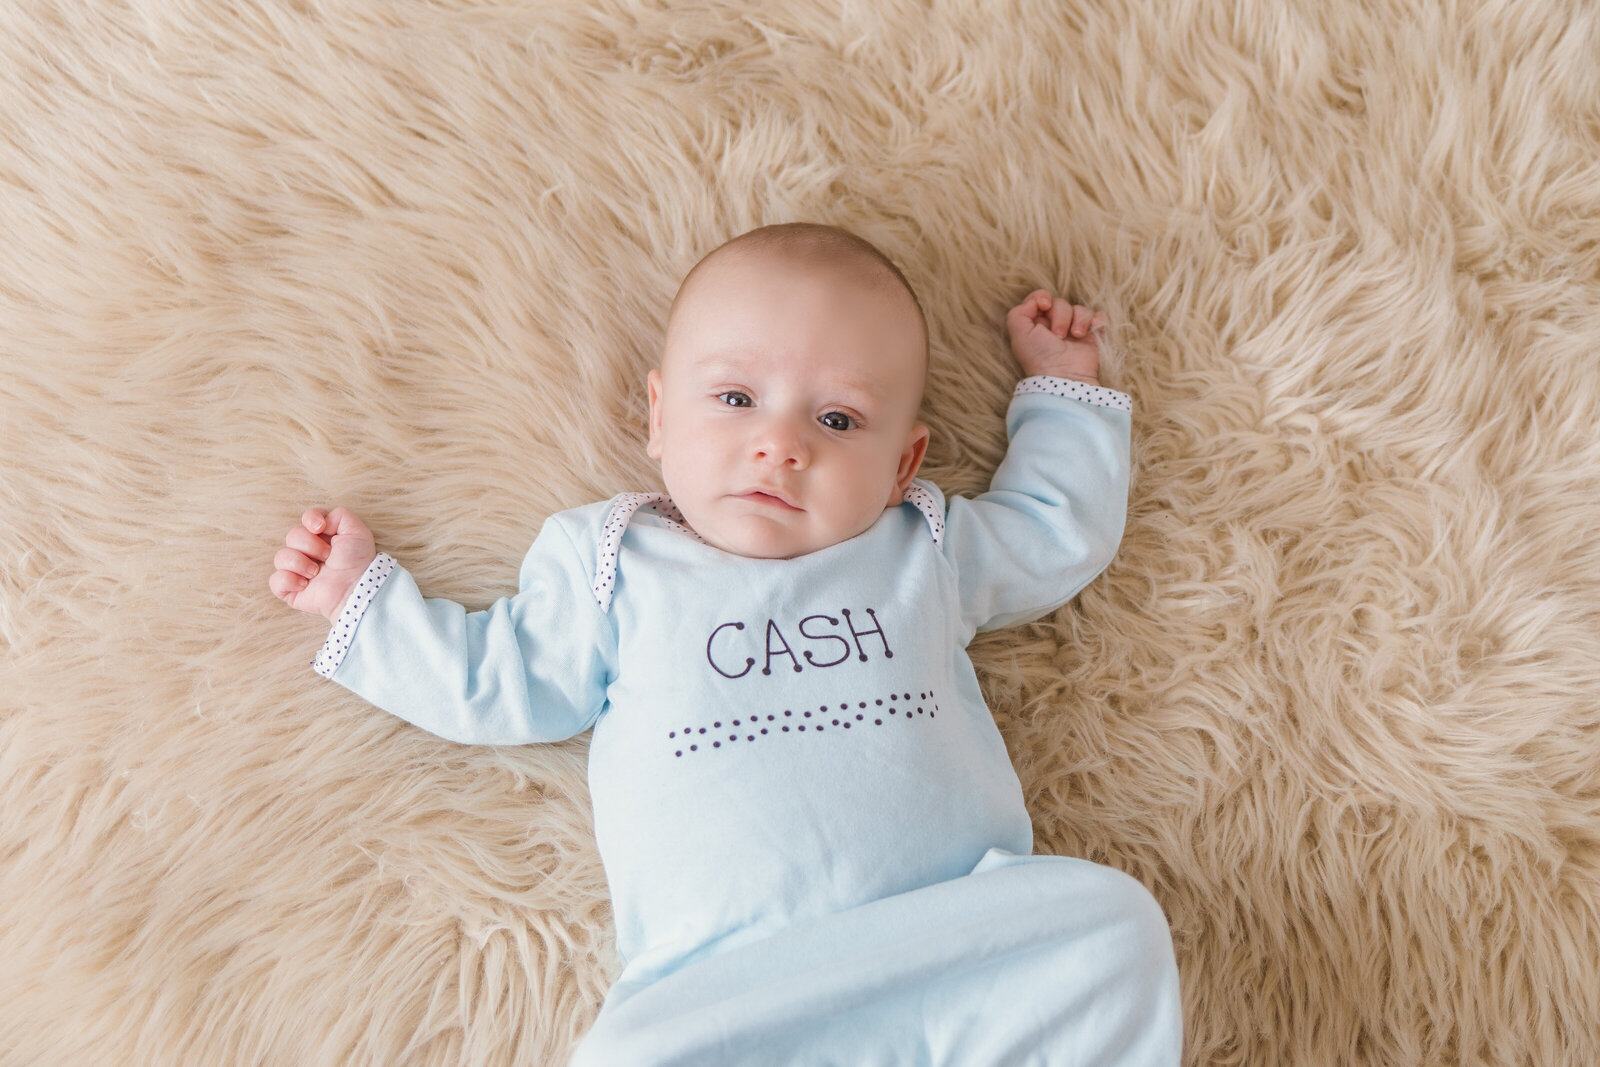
column 816, row 845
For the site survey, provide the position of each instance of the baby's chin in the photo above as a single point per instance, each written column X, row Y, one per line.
column 756, row 538
column 756, row 545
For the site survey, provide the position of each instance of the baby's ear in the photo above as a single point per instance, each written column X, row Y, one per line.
column 911, row 457
column 653, row 387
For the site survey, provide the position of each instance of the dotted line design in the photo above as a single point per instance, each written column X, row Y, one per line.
column 1089, row 394
column 343, row 630
column 917, row 494
column 664, row 506
column 842, row 716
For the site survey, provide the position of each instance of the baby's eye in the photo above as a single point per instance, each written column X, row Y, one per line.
column 735, row 399
column 837, row 420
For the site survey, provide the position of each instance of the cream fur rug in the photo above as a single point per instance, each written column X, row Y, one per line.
column 1337, row 702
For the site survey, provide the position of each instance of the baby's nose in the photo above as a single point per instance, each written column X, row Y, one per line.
column 782, row 444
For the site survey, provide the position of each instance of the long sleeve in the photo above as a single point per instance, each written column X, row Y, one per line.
column 530, row 667
column 1054, row 512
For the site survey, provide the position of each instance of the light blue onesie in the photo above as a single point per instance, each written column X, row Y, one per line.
column 815, row 842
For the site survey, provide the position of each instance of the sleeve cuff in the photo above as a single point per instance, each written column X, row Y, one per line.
column 1097, row 395
column 355, row 606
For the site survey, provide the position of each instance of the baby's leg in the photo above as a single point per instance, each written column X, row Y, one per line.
column 1105, row 982
column 1028, row 960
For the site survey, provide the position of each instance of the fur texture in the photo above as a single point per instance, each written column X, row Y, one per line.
column 1337, row 702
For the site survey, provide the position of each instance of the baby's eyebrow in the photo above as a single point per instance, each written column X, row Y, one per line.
column 862, row 390
column 721, row 366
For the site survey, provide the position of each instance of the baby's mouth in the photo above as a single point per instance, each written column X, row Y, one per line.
column 761, row 496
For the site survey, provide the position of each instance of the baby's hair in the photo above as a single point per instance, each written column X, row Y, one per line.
column 829, row 246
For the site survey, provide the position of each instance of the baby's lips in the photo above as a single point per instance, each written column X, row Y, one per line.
column 772, row 495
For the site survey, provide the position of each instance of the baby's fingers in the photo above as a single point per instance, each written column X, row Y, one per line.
column 296, row 564
column 286, row 586
column 1059, row 320
column 1084, row 320
column 303, row 540
column 1035, row 308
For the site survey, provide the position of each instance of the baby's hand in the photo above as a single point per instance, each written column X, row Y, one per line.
column 1050, row 336
column 322, row 560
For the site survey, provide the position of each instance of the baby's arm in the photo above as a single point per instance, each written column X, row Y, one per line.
column 321, row 561
column 530, row 667
column 1055, row 508
column 1053, row 337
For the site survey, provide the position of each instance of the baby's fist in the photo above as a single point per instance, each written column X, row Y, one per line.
column 321, row 561
column 1050, row 336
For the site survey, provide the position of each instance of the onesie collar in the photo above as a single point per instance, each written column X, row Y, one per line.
column 919, row 494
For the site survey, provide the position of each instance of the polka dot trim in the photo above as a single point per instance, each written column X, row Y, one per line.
column 845, row 715
column 918, row 493
column 355, row 606
column 1089, row 394
column 616, row 524
column 605, row 572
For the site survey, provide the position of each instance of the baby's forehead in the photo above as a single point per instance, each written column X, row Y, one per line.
column 859, row 294
column 718, row 283
column 870, row 375
column 849, row 271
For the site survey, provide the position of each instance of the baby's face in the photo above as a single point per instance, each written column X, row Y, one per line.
column 784, row 413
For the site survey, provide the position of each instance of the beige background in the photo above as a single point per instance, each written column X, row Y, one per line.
column 1337, row 702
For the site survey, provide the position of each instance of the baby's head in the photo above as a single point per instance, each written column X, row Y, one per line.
column 784, row 412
